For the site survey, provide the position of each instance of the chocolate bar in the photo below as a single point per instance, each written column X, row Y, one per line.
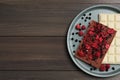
column 113, row 21
column 95, row 44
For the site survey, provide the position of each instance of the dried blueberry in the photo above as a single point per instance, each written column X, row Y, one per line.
column 90, row 14
column 72, row 38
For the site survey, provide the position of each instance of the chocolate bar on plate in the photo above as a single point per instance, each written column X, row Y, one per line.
column 95, row 44
column 113, row 21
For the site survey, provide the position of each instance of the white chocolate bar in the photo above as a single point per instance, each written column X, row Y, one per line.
column 112, row 21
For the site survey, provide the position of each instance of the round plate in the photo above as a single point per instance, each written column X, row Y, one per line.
column 73, row 39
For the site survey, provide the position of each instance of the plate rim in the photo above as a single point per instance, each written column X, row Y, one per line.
column 68, row 36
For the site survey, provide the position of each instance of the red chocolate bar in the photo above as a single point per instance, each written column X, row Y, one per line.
column 95, row 44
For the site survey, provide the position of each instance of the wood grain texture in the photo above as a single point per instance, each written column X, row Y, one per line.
column 33, row 39
column 34, row 53
column 49, row 75
column 31, row 18
column 56, row 1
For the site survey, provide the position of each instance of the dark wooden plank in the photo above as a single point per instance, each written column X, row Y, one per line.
column 34, row 53
column 37, row 19
column 56, row 1
column 50, row 75
column 41, row 18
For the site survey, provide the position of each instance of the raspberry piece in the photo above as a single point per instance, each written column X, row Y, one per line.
column 110, row 31
column 92, row 29
column 80, row 53
column 91, row 33
column 100, row 39
column 78, row 27
column 104, row 34
column 97, row 37
column 99, row 26
column 107, row 46
column 97, row 55
column 83, row 27
column 87, row 46
column 80, row 33
column 102, row 67
column 107, row 66
column 95, row 45
column 90, row 57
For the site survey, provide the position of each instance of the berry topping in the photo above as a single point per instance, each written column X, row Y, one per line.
column 91, row 33
column 104, row 34
column 80, row 33
column 83, row 27
column 91, row 29
column 107, row 66
column 90, row 57
column 97, row 37
column 107, row 46
column 78, row 27
column 87, row 46
column 100, row 39
column 102, row 67
column 95, row 45
column 110, row 31
column 99, row 26
column 97, row 55
column 80, row 53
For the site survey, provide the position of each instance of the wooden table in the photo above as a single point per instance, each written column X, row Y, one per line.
column 33, row 39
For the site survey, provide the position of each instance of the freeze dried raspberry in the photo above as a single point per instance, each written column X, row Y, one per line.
column 107, row 66
column 87, row 46
column 107, row 46
column 104, row 34
column 95, row 45
column 102, row 67
column 90, row 57
column 97, row 37
column 80, row 33
column 78, row 27
column 100, row 39
column 83, row 27
column 91, row 33
column 80, row 53
column 110, row 31
column 98, row 54
column 99, row 26
column 92, row 29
